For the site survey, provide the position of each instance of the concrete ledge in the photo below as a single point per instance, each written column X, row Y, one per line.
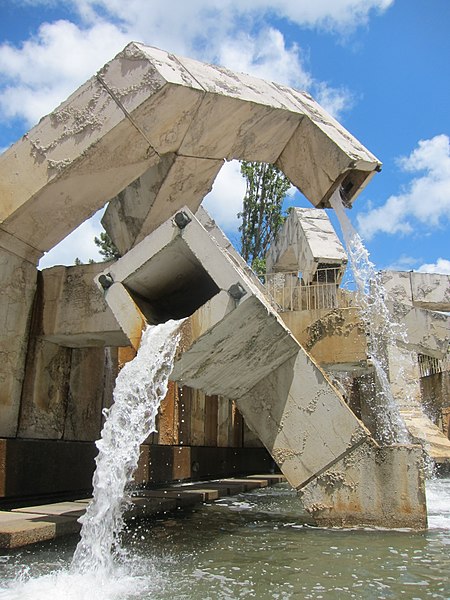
column 17, row 529
column 32, row 524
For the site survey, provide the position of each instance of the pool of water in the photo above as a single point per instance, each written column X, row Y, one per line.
column 254, row 545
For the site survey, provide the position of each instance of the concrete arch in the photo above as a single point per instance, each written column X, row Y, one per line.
column 148, row 115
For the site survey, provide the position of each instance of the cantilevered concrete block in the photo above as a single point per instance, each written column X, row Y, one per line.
column 344, row 163
column 239, row 341
column 68, row 166
column 307, row 241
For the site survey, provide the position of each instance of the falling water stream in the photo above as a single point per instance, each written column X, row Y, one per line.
column 382, row 330
column 101, row 568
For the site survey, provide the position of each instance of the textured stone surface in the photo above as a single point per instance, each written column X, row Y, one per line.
column 74, row 312
column 241, row 349
column 371, row 486
column 334, row 338
column 306, row 242
column 18, row 285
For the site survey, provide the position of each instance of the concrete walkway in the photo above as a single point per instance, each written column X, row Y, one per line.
column 23, row 526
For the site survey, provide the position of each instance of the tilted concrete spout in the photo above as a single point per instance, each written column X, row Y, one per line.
column 237, row 346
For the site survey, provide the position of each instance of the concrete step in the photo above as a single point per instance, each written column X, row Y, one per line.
column 28, row 525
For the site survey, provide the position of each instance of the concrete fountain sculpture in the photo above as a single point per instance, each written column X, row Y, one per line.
column 148, row 134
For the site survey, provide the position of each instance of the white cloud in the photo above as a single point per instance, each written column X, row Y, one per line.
column 426, row 200
column 442, row 265
column 403, row 263
column 198, row 15
column 47, row 68
column 266, row 56
column 79, row 244
column 225, row 199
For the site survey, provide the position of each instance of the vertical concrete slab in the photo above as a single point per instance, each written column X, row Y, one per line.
column 184, row 409
column 224, row 422
column 404, row 377
column 90, row 371
column 18, row 285
column 45, row 391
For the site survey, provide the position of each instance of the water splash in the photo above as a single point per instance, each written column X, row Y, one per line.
column 382, row 330
column 140, row 387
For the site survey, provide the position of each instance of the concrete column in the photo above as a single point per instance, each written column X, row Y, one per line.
column 18, row 285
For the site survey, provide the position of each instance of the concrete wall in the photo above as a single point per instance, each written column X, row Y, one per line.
column 435, row 390
column 18, row 285
column 334, row 338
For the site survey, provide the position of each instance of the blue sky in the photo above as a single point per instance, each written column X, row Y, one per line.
column 380, row 66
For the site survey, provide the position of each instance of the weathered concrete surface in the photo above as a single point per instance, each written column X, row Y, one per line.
column 45, row 390
column 174, row 182
column 370, row 486
column 413, row 299
column 307, row 241
column 17, row 530
column 334, row 338
column 428, row 332
column 422, row 290
column 436, row 399
column 17, row 290
column 146, row 103
column 239, row 348
column 404, row 376
column 74, row 312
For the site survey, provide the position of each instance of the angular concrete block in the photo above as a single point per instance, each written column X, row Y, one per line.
column 301, row 419
column 375, row 487
column 156, row 91
column 307, row 242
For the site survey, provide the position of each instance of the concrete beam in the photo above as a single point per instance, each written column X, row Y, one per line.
column 146, row 103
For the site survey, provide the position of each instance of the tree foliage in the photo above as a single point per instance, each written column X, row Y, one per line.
column 106, row 246
column 261, row 213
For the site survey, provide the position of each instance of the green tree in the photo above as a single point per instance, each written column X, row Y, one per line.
column 261, row 213
column 106, row 246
